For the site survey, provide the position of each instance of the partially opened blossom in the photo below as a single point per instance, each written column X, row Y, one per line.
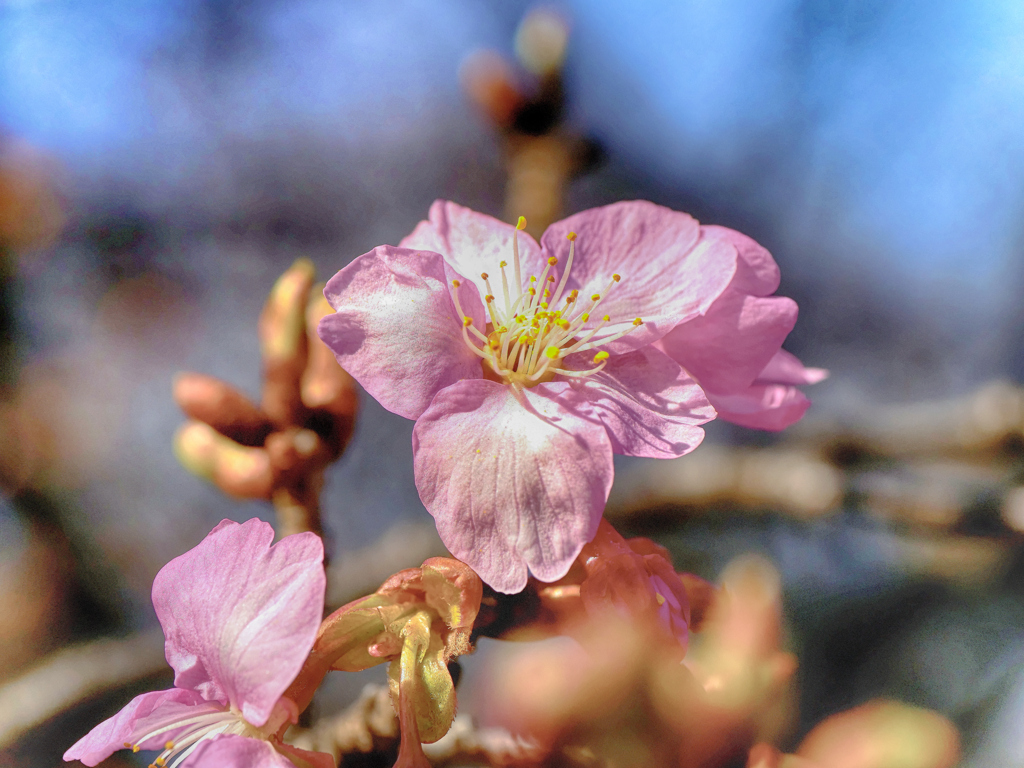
column 734, row 350
column 526, row 366
column 239, row 617
column 634, row 577
column 419, row 621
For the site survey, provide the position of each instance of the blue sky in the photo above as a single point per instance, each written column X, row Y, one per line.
column 898, row 124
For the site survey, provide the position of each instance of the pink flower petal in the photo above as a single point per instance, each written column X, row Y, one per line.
column 240, row 615
column 670, row 271
column 510, row 489
column 474, row 243
column 648, row 404
column 772, row 402
column 396, row 329
column 230, row 751
column 786, row 368
column 303, row 758
column 131, row 722
column 727, row 348
column 757, row 273
column 762, row 406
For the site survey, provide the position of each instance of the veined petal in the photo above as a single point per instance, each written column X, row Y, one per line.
column 729, row 346
column 396, row 329
column 511, row 486
column 648, row 404
column 762, row 406
column 232, row 751
column 671, row 272
column 240, row 615
column 474, row 243
column 137, row 718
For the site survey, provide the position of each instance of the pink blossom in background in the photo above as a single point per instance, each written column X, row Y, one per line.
column 526, row 365
column 239, row 617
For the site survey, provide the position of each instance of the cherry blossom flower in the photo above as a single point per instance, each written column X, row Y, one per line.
column 526, row 365
column 239, row 617
column 734, row 349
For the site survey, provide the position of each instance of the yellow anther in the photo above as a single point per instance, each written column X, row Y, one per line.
column 600, row 356
column 584, row 317
column 503, row 264
column 660, row 598
column 488, row 298
column 456, row 283
column 638, row 321
column 547, row 294
column 532, row 291
column 533, row 278
column 544, row 304
column 524, row 339
column 135, row 747
column 552, row 260
column 520, row 318
column 595, row 297
column 563, row 324
column 521, row 224
column 467, row 321
column 160, row 762
column 616, row 278
column 503, row 329
column 551, row 352
column 571, row 236
column 607, row 318
column 494, row 343
column 168, row 745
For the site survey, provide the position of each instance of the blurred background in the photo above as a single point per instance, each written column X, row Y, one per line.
column 162, row 163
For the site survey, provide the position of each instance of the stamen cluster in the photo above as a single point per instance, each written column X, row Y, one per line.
column 197, row 729
column 527, row 338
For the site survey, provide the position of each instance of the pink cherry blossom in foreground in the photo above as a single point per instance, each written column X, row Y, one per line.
column 526, row 365
column 239, row 617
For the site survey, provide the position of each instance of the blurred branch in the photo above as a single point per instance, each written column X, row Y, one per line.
column 74, row 674
column 792, row 481
column 370, row 725
column 947, row 465
column 974, row 427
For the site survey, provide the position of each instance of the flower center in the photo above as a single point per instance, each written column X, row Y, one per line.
column 190, row 732
column 538, row 325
